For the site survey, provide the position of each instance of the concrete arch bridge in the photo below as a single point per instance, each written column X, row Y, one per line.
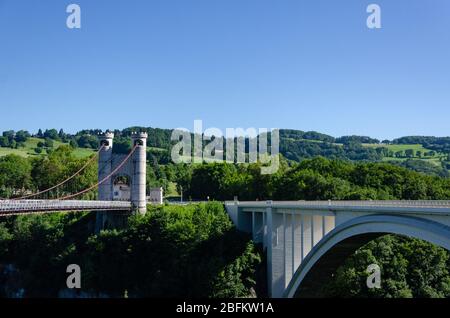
column 307, row 240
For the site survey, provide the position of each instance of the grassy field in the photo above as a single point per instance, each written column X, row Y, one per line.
column 172, row 189
column 156, row 149
column 396, row 148
column 301, row 139
column 31, row 144
column 435, row 160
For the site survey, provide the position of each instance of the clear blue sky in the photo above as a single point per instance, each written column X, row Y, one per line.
column 309, row 65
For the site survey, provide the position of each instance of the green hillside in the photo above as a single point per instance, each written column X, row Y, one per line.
column 395, row 147
column 31, row 144
column 430, row 155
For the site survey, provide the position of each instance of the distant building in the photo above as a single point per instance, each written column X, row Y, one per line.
column 121, row 192
column 156, row 196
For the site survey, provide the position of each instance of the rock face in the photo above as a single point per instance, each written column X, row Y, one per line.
column 10, row 284
column 73, row 293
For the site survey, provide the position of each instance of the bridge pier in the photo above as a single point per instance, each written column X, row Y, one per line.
column 292, row 235
column 110, row 220
column 275, row 253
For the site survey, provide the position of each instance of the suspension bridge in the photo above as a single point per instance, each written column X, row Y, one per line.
column 67, row 197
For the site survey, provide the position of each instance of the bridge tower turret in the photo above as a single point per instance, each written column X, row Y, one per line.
column 138, row 180
column 105, row 166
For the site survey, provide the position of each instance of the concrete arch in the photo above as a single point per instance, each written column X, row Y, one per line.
column 346, row 238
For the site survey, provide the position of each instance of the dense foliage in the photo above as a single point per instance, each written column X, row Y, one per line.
column 183, row 251
column 409, row 268
column 308, row 135
column 295, row 145
column 194, row 250
column 424, row 167
column 360, row 139
column 315, row 179
column 441, row 144
column 19, row 175
column 298, row 150
column 14, row 139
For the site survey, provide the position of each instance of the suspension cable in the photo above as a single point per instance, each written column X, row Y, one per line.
column 66, row 180
column 101, row 181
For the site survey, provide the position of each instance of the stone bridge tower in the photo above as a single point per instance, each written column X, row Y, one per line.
column 139, row 172
column 134, row 170
column 105, row 167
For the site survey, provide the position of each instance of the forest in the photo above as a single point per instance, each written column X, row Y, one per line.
column 195, row 247
column 430, row 155
column 190, row 251
column 172, row 251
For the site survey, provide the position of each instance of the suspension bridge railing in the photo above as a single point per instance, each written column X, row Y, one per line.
column 18, row 207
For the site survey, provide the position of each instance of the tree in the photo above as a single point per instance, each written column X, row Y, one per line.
column 73, row 143
column 184, row 251
column 22, row 136
column 210, row 180
column 51, row 134
column 409, row 153
column 409, row 268
column 59, row 165
column 14, row 174
column 399, row 154
column 48, row 143
column 9, row 134
column 89, row 141
column 4, row 141
column 61, row 134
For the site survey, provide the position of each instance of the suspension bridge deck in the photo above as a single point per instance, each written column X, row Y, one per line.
column 13, row 207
